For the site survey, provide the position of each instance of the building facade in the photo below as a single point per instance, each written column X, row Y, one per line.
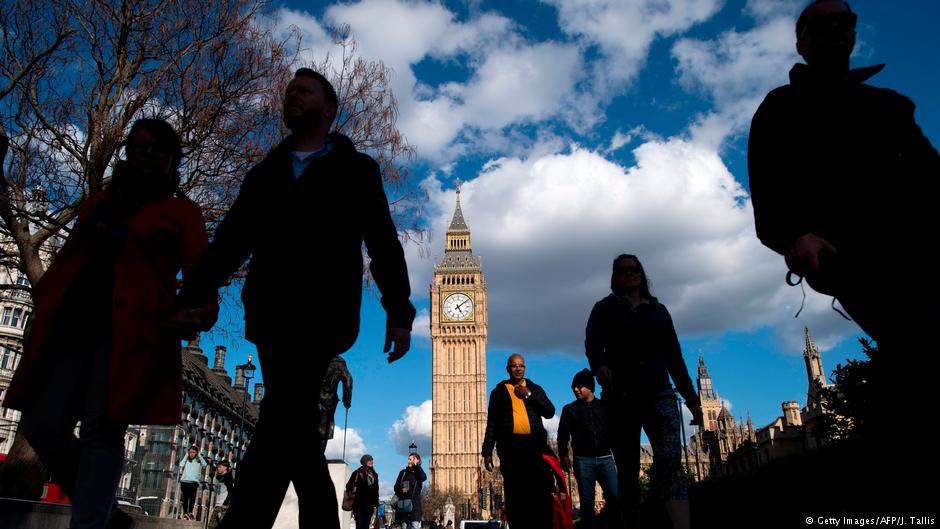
column 15, row 309
column 458, row 342
column 723, row 448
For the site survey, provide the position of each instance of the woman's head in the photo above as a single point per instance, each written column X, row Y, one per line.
column 628, row 274
column 153, row 148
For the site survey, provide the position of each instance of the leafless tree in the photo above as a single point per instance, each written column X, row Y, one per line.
column 75, row 74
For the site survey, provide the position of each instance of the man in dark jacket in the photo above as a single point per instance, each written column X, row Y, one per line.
column 843, row 183
column 585, row 423
column 302, row 215
column 224, row 486
column 408, row 489
column 514, row 427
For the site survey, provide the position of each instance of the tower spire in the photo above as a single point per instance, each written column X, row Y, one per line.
column 815, row 374
column 458, row 223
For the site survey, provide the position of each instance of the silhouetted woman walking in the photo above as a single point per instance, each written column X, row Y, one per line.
column 103, row 345
column 633, row 349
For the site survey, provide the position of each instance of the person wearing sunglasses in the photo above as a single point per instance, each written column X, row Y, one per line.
column 632, row 348
column 843, row 182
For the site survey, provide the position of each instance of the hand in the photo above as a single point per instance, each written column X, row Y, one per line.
column 188, row 323
column 566, row 463
column 488, row 463
column 604, row 376
column 346, row 404
column 402, row 340
column 697, row 418
column 803, row 255
column 521, row 391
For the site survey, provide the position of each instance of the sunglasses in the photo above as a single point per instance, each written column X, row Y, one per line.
column 835, row 21
column 624, row 270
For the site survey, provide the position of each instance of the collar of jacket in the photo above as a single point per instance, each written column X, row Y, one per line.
column 342, row 145
column 802, row 74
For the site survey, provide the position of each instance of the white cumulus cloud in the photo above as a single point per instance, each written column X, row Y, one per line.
column 355, row 446
column 414, row 425
column 548, row 227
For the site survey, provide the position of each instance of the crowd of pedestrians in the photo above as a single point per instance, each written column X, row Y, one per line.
column 105, row 335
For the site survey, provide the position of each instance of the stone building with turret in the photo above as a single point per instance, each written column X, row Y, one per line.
column 722, row 447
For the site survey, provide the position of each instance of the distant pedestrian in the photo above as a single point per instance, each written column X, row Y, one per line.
column 514, row 428
column 224, row 485
column 364, row 483
column 191, row 469
column 408, row 490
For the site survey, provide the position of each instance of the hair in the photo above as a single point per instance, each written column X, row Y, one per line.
column 417, row 456
column 508, row 360
column 645, row 291
column 327, row 87
column 224, row 463
column 192, row 447
column 163, row 132
column 169, row 141
column 803, row 20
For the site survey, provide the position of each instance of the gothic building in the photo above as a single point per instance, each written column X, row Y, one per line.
column 722, row 447
column 458, row 342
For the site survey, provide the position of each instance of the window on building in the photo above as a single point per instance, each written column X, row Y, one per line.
column 7, row 313
column 7, row 357
column 17, row 316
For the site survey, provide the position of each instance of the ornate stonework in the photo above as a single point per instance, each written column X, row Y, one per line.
column 458, row 342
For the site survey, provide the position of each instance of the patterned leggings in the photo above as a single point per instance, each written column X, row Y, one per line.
column 659, row 417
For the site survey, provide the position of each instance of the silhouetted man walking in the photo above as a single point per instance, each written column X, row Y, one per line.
column 302, row 215
column 843, row 183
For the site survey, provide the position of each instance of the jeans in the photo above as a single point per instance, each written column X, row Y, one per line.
column 88, row 468
column 588, row 470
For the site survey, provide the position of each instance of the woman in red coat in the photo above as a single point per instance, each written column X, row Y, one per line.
column 103, row 345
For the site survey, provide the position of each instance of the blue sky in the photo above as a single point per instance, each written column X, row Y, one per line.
column 582, row 130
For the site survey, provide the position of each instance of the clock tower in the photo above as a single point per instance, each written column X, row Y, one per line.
column 458, row 343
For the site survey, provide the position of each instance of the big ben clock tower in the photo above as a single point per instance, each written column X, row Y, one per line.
column 458, row 343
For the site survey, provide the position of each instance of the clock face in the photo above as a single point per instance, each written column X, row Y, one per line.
column 458, row 307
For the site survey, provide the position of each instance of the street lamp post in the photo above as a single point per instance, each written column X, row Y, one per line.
column 249, row 373
column 412, row 448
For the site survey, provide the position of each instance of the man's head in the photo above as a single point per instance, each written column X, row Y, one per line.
column 825, row 34
column 222, row 468
column 309, row 101
column 414, row 459
column 583, row 385
column 515, row 366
